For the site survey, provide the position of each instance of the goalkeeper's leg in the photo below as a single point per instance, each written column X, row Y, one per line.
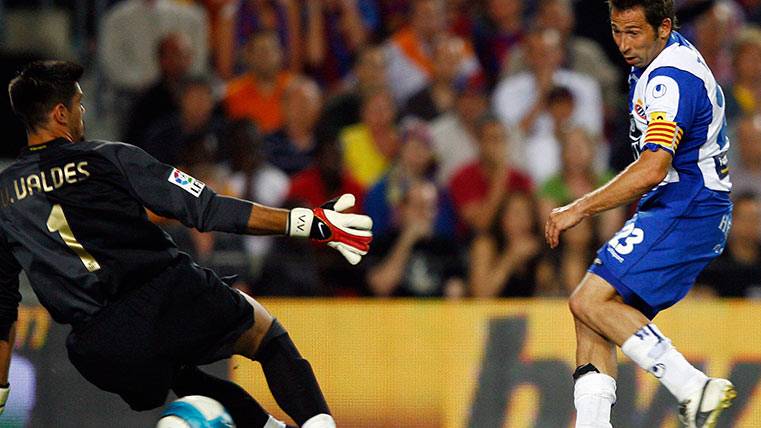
column 289, row 376
column 244, row 409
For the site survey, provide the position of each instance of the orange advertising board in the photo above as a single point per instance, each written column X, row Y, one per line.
column 481, row 364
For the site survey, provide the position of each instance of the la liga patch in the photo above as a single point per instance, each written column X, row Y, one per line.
column 186, row 182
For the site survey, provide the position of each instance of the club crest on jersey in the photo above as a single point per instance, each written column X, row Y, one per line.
column 639, row 109
column 186, row 182
column 659, row 90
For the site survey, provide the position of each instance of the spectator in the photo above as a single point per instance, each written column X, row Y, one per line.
column 240, row 20
column 258, row 94
column 496, row 35
column 161, row 99
column 506, row 260
column 479, row 188
column 370, row 145
column 325, row 179
column 131, row 33
column 439, row 96
column 253, row 179
column 369, row 75
column 167, row 140
column 523, row 100
column 580, row 54
column 454, row 133
column 460, row 14
column 746, row 170
column 751, row 9
column 737, row 271
column 409, row 51
column 571, row 259
column 291, row 148
column 578, row 177
column 744, row 97
column 394, row 14
column 414, row 163
column 335, row 31
column 411, row 260
column 713, row 34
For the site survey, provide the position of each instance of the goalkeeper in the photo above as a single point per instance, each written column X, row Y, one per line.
column 143, row 314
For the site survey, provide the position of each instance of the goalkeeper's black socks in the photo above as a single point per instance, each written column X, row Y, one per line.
column 290, row 377
column 243, row 408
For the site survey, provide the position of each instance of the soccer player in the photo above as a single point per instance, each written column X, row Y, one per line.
column 143, row 314
column 678, row 135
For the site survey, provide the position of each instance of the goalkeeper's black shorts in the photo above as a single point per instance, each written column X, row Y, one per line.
column 133, row 347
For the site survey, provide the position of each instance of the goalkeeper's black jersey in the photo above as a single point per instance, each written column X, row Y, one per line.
column 72, row 216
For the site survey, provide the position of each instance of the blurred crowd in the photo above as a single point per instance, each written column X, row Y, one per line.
column 457, row 124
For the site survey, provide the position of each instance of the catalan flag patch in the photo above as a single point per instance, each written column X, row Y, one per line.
column 663, row 133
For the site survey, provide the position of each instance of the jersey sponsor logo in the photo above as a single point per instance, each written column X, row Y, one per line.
column 186, row 182
column 639, row 109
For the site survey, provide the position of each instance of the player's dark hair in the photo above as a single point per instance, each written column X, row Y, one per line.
column 39, row 87
column 655, row 10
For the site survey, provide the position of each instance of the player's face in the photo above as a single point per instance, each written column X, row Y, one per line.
column 637, row 41
column 76, row 123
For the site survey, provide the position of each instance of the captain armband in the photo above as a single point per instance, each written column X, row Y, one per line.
column 663, row 133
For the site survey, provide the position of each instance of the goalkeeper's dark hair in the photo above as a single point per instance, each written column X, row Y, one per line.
column 655, row 10
column 39, row 87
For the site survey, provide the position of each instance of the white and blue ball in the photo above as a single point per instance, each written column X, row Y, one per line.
column 195, row 411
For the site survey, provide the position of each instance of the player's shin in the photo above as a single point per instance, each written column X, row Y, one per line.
column 652, row 351
column 594, row 394
column 245, row 411
column 292, row 381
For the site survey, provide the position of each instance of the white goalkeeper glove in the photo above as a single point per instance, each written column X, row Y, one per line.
column 348, row 233
column 4, row 391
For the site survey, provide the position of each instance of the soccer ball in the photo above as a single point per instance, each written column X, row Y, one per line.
column 195, row 411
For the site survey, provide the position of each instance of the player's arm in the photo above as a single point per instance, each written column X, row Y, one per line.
column 633, row 182
column 171, row 193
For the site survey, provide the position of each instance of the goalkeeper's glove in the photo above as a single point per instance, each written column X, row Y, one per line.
column 348, row 233
column 4, row 391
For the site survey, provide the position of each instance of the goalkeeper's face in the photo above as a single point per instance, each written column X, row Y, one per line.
column 636, row 39
column 76, row 116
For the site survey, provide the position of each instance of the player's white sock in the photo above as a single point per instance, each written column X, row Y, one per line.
column 274, row 423
column 652, row 351
column 320, row 421
column 593, row 396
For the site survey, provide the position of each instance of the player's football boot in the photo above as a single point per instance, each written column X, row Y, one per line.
column 702, row 410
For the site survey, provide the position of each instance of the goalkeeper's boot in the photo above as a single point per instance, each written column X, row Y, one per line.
column 703, row 408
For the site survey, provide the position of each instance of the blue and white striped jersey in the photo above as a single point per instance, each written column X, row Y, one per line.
column 676, row 105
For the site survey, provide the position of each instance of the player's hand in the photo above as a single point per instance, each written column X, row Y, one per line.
column 4, row 391
column 561, row 219
column 348, row 233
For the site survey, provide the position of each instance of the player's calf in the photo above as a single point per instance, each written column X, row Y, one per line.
column 291, row 380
